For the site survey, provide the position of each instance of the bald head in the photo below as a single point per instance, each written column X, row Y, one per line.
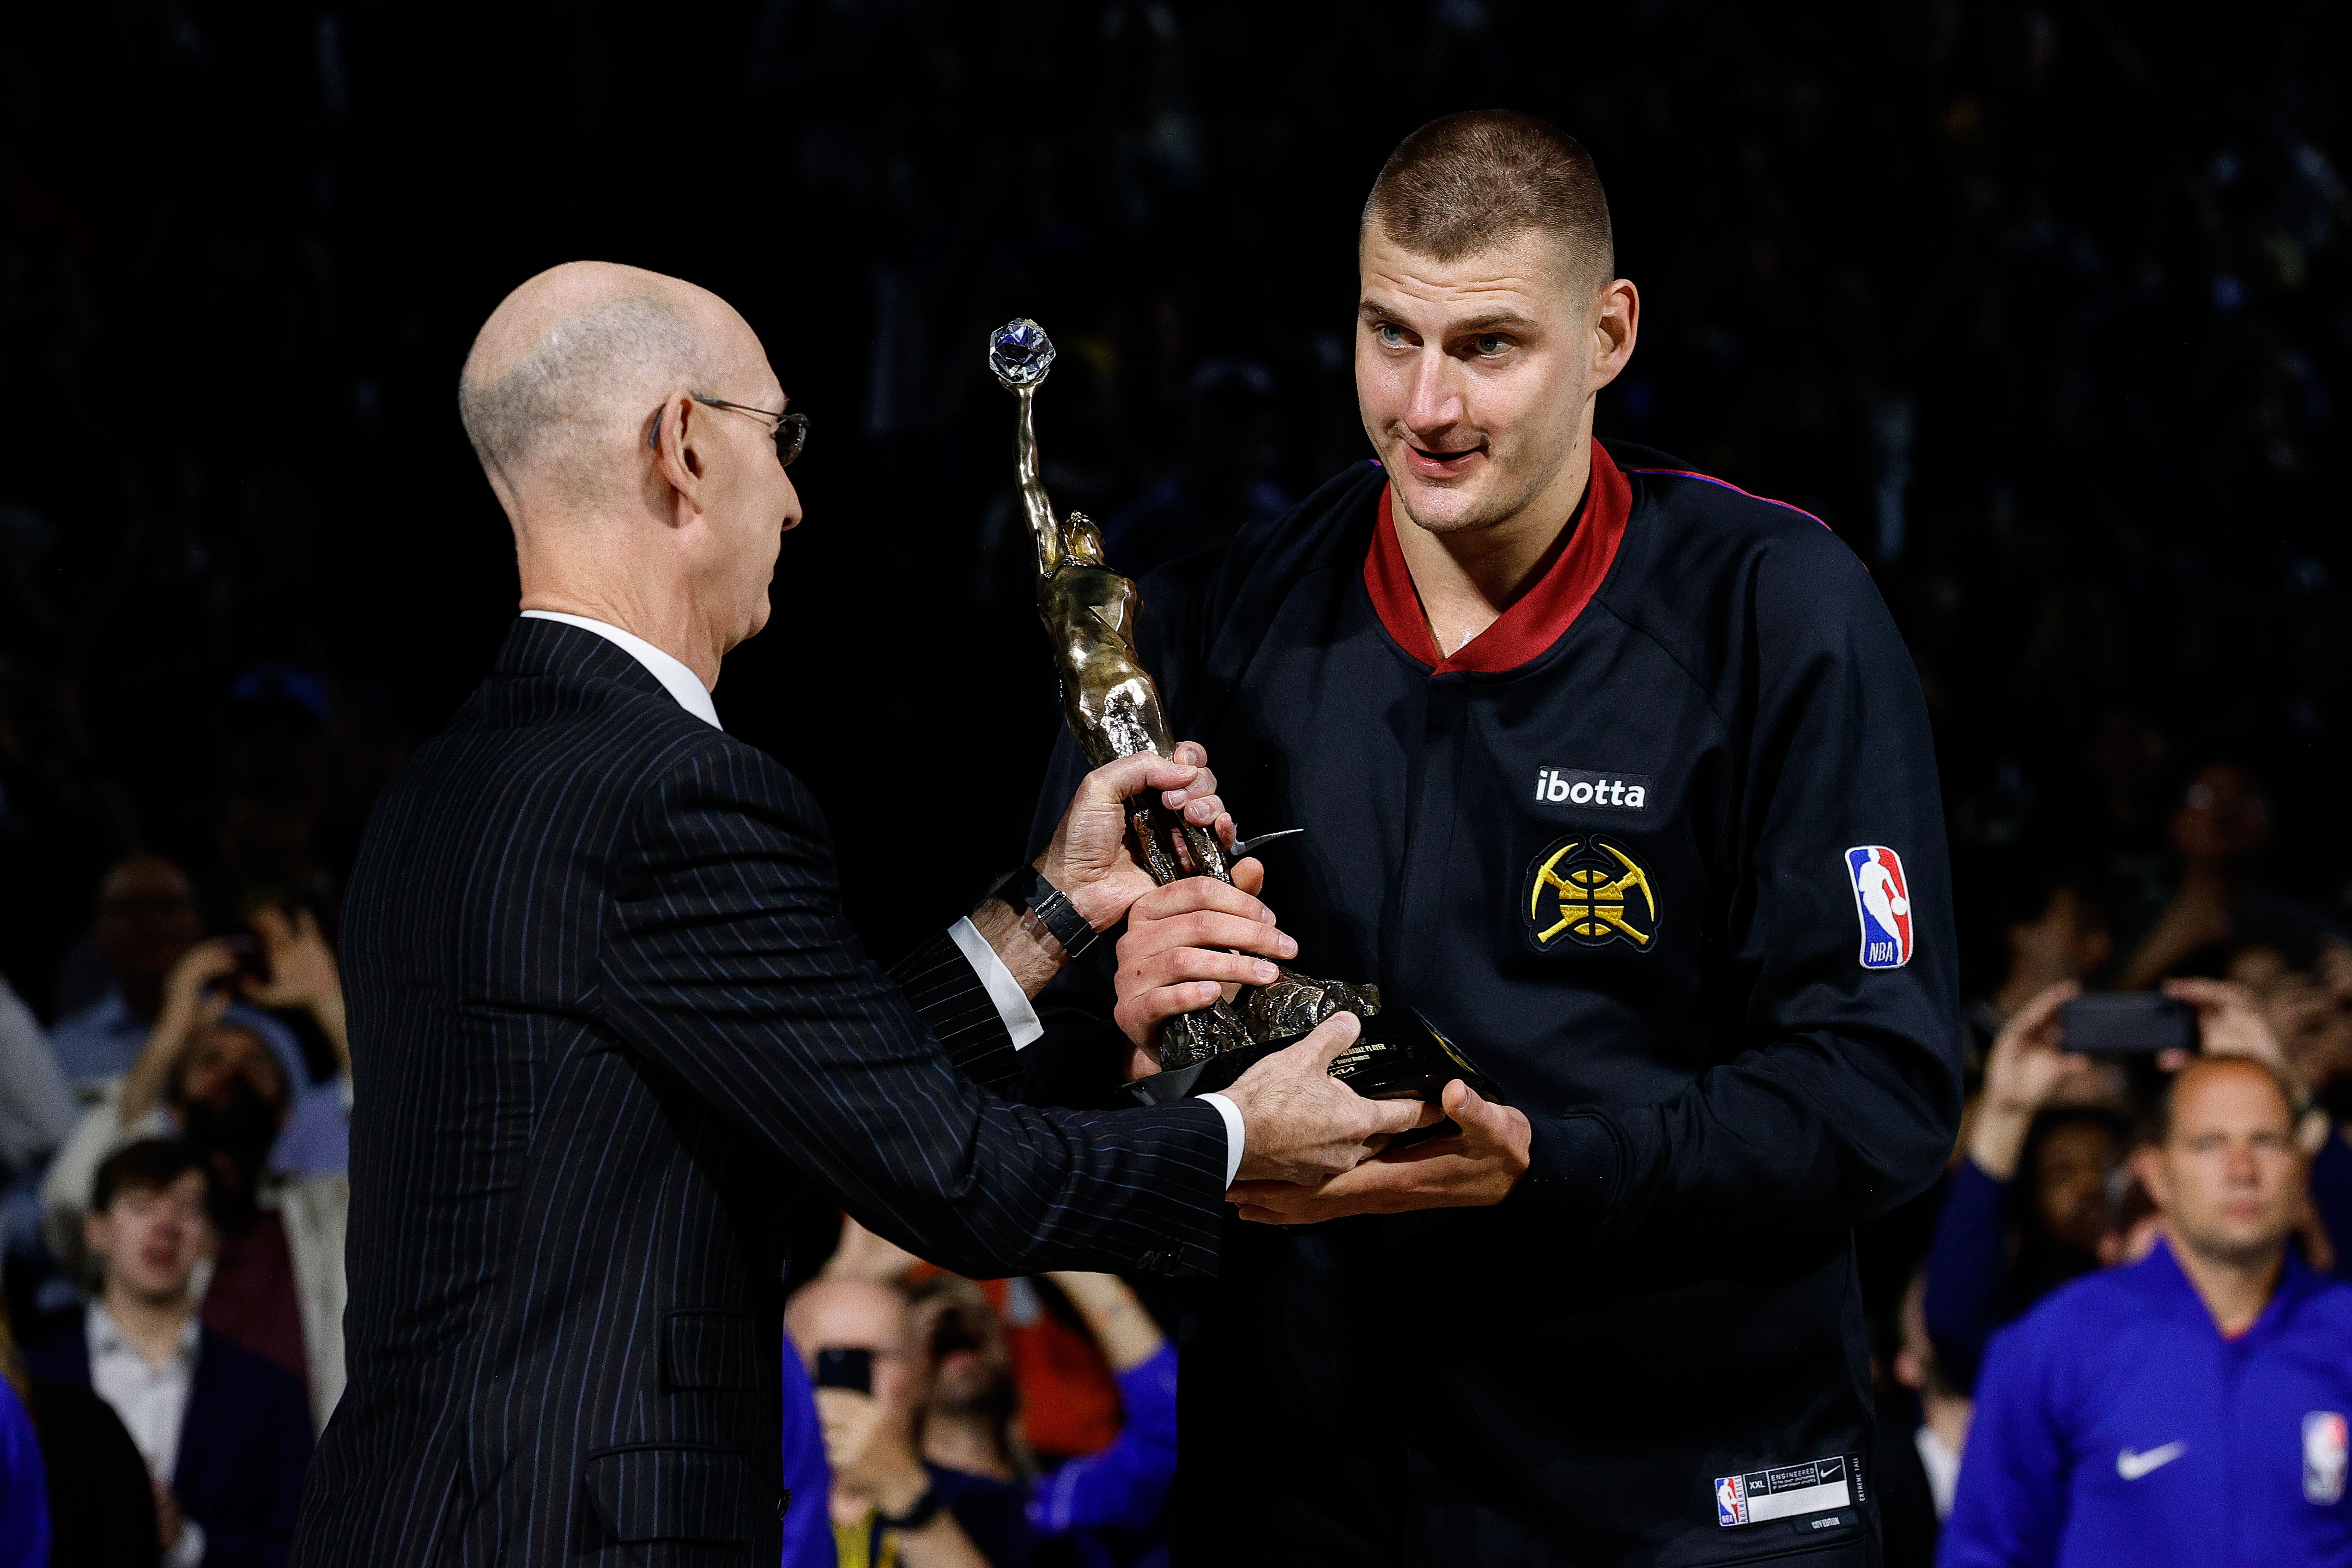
column 855, row 1313
column 628, row 423
column 565, row 375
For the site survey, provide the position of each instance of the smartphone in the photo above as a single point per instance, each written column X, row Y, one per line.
column 2127, row 1023
column 838, row 1366
column 252, row 962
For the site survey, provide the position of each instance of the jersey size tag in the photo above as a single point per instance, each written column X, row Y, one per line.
column 1763, row 1495
column 1882, row 899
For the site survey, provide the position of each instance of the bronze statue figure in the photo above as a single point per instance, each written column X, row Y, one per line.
column 1113, row 708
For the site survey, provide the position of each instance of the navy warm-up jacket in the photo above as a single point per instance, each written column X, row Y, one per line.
column 1663, row 851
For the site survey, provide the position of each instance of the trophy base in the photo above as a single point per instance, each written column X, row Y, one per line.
column 1400, row 1055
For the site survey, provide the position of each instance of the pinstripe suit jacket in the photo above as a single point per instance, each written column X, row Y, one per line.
column 608, row 1025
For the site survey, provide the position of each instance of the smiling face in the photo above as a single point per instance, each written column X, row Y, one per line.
column 1475, row 377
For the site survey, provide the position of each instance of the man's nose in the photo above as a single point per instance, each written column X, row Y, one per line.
column 1434, row 401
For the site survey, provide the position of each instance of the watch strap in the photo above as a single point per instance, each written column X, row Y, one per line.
column 1025, row 887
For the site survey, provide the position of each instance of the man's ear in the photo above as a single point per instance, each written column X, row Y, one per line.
column 676, row 439
column 93, row 1233
column 2147, row 1163
column 1616, row 323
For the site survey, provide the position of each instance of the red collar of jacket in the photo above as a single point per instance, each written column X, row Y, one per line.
column 1536, row 620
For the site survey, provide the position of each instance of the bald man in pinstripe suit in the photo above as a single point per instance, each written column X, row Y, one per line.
column 608, row 1022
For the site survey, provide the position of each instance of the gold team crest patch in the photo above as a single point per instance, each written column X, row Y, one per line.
column 1589, row 891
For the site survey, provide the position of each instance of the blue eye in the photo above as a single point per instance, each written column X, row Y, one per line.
column 1492, row 343
column 1391, row 334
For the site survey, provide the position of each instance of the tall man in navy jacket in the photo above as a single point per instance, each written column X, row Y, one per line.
column 1620, row 776
column 608, row 1024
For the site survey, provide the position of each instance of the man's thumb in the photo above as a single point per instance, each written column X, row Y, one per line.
column 1470, row 1112
column 1336, row 1033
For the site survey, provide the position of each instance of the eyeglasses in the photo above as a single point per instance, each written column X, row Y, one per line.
column 790, row 430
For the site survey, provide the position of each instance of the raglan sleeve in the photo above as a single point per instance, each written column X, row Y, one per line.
column 1835, row 1094
column 729, row 966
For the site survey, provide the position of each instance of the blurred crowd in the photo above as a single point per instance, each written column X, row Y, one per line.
column 2040, row 307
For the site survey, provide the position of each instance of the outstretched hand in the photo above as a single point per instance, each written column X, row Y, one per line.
column 1301, row 1125
column 1469, row 1169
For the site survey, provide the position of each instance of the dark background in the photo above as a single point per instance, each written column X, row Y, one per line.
column 2042, row 309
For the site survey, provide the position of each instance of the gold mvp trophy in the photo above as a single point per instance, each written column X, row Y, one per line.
column 1113, row 708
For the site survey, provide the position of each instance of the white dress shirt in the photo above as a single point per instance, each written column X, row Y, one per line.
column 153, row 1402
column 1011, row 1003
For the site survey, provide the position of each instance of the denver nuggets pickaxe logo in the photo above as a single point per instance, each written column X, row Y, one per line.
column 1592, row 893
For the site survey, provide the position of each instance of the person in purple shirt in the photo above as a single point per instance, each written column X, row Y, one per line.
column 2193, row 1407
column 807, row 1528
column 24, row 1487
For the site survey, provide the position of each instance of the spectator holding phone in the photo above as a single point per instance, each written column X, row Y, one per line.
column 2190, row 1408
column 206, row 1075
column 887, row 1506
column 2027, row 1204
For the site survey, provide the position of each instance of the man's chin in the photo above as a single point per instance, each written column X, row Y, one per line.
column 1441, row 508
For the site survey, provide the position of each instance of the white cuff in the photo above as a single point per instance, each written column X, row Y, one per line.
column 1233, row 1115
column 189, row 1549
column 1011, row 1002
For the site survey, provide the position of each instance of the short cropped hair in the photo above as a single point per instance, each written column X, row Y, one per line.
column 1461, row 183
column 151, row 1165
column 2160, row 1124
column 562, row 399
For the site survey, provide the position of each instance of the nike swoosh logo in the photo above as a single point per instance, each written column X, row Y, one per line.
column 2131, row 1466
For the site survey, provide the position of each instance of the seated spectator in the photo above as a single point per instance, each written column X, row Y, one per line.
column 2003, row 1243
column 147, row 921
column 277, row 1283
column 2190, row 1407
column 224, row 1432
column 887, row 1506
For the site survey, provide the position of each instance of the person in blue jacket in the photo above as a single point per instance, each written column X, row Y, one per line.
column 24, row 1487
column 2192, row 1407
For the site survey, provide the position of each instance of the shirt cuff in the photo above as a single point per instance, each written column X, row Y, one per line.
column 1011, row 1002
column 189, row 1549
column 1233, row 1115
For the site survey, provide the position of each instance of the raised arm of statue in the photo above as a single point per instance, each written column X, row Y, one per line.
column 1113, row 708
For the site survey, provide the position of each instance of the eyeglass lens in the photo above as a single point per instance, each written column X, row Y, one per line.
column 792, row 434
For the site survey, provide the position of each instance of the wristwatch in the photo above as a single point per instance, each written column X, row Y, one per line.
column 1025, row 887
column 920, row 1513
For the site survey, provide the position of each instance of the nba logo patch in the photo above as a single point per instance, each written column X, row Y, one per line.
column 1882, row 898
column 2324, row 1445
column 1730, row 1500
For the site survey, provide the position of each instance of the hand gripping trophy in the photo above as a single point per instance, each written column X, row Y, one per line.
column 1113, row 708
